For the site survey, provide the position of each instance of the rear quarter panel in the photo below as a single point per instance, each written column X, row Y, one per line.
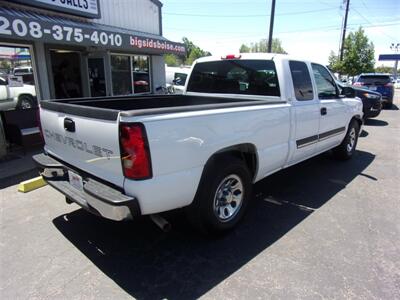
column 181, row 144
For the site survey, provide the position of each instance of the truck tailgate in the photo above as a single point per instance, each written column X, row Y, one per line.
column 88, row 144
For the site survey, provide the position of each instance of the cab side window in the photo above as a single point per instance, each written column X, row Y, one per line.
column 326, row 85
column 301, row 81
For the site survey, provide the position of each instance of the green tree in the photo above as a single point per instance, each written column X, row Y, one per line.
column 244, row 49
column 172, row 60
column 334, row 63
column 261, row 46
column 193, row 52
column 358, row 55
column 384, row 69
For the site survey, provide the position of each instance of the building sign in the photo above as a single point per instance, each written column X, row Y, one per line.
column 82, row 34
column 84, row 8
column 389, row 57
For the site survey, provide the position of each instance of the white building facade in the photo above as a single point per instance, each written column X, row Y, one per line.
column 88, row 48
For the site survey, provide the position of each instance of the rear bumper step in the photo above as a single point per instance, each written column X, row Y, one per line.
column 96, row 197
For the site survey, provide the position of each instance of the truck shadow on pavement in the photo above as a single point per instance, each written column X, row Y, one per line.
column 150, row 264
column 375, row 122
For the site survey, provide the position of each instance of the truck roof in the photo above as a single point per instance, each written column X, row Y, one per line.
column 263, row 56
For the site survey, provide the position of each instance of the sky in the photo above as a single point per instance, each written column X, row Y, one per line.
column 306, row 28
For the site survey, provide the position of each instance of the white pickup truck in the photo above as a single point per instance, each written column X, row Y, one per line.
column 16, row 97
column 240, row 119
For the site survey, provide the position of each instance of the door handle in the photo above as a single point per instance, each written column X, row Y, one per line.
column 324, row 111
column 69, row 125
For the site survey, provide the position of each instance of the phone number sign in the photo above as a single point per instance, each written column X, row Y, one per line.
column 28, row 29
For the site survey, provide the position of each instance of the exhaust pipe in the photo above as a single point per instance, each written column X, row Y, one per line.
column 163, row 224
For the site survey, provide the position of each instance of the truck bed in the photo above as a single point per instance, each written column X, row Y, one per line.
column 108, row 108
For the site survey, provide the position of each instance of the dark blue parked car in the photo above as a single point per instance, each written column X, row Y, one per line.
column 377, row 82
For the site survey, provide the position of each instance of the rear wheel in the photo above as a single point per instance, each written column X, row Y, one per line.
column 348, row 146
column 222, row 197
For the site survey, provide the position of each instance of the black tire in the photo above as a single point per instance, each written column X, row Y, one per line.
column 204, row 213
column 348, row 146
column 25, row 102
column 389, row 105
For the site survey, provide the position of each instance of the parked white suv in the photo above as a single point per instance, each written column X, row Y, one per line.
column 240, row 119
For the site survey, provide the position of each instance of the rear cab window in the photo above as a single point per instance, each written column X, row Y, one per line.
column 245, row 77
column 301, row 78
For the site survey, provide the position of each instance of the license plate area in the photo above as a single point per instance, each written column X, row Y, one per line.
column 75, row 180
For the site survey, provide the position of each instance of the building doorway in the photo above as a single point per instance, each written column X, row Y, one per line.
column 66, row 68
column 17, row 80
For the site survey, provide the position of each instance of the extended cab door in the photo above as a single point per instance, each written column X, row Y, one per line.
column 332, row 126
column 306, row 113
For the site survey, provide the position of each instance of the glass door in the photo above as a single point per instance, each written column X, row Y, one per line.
column 97, row 80
column 66, row 67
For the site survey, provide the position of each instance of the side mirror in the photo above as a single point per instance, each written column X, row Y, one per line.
column 349, row 92
column 177, row 81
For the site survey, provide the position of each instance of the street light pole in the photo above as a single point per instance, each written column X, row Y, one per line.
column 271, row 27
column 395, row 48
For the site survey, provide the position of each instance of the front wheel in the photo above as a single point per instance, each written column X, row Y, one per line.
column 222, row 197
column 347, row 148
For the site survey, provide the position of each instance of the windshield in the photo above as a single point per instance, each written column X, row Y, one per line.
column 249, row 77
column 376, row 79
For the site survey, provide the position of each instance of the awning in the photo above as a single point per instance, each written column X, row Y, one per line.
column 33, row 26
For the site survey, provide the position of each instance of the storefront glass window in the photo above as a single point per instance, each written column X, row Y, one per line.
column 141, row 76
column 121, row 74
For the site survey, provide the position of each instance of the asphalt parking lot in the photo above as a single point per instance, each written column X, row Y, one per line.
column 321, row 229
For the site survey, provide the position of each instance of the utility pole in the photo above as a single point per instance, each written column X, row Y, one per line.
column 344, row 30
column 271, row 27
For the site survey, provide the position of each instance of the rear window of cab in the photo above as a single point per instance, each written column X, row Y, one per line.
column 246, row 77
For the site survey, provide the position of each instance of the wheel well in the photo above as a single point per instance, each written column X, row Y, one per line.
column 245, row 152
column 25, row 95
column 358, row 119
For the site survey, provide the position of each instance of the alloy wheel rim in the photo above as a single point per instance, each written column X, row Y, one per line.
column 25, row 104
column 228, row 198
column 352, row 140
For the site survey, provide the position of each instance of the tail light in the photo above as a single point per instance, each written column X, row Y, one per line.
column 231, row 56
column 358, row 83
column 389, row 84
column 135, row 153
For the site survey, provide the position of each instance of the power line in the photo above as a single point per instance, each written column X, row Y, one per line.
column 369, row 22
column 246, row 16
column 332, row 27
